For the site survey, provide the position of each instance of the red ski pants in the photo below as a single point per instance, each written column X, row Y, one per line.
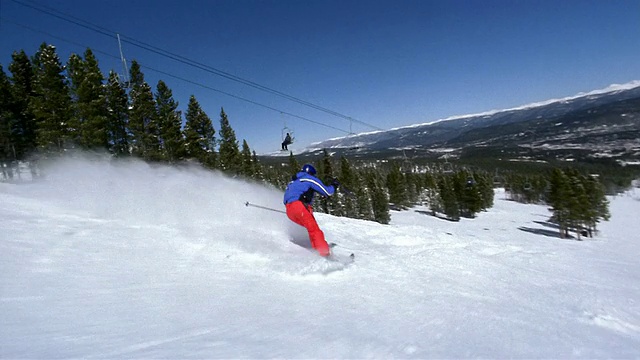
column 303, row 216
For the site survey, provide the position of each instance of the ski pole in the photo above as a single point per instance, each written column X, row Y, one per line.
column 347, row 191
column 263, row 207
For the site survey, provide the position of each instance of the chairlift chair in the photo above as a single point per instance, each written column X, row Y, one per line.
column 497, row 181
column 447, row 168
column 285, row 131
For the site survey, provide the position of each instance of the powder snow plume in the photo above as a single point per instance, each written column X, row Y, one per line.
column 160, row 195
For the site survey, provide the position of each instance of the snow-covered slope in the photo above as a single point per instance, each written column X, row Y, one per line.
column 130, row 261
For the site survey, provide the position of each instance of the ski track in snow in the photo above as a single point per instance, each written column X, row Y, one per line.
column 125, row 260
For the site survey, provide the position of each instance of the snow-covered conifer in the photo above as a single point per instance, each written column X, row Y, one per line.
column 117, row 115
column 229, row 151
column 24, row 127
column 170, row 123
column 51, row 103
column 89, row 101
column 199, row 135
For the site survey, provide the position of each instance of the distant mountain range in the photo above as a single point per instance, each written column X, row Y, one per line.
column 600, row 124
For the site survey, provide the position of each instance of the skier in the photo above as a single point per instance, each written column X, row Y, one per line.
column 298, row 198
column 287, row 141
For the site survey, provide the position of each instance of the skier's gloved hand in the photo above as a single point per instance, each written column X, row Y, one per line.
column 335, row 183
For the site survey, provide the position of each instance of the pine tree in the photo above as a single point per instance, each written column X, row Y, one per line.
column 325, row 168
column 364, row 200
column 397, row 188
column 413, row 188
column 117, row 115
column 24, row 125
column 294, row 166
column 199, row 135
column 578, row 202
column 348, row 180
column 598, row 204
column 51, row 104
column 7, row 120
column 325, row 173
column 89, row 105
column 448, row 198
column 143, row 117
column 170, row 122
column 379, row 198
column 247, row 168
column 484, row 184
column 230, row 160
column 559, row 192
column 430, row 194
column 258, row 174
column 467, row 194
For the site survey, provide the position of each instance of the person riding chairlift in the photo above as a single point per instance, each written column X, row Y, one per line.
column 287, row 141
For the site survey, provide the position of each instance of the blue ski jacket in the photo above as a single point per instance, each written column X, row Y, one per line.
column 303, row 188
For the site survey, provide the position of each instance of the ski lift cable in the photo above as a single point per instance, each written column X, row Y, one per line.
column 224, row 74
column 65, row 17
column 56, row 37
column 181, row 78
column 97, row 51
column 285, row 128
column 245, row 99
column 184, row 60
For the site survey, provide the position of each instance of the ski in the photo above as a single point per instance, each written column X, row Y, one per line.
column 344, row 260
column 340, row 258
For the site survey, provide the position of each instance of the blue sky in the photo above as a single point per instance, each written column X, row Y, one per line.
column 385, row 63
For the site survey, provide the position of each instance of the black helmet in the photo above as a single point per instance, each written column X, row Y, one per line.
column 309, row 169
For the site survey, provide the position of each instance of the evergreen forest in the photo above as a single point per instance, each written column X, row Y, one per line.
column 49, row 108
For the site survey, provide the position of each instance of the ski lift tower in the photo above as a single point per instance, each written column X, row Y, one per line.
column 351, row 126
column 125, row 76
column 447, row 167
column 407, row 164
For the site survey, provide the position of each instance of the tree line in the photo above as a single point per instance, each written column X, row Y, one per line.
column 577, row 200
column 48, row 108
column 371, row 191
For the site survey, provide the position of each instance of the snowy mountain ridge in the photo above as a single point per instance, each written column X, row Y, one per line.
column 613, row 88
column 439, row 131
